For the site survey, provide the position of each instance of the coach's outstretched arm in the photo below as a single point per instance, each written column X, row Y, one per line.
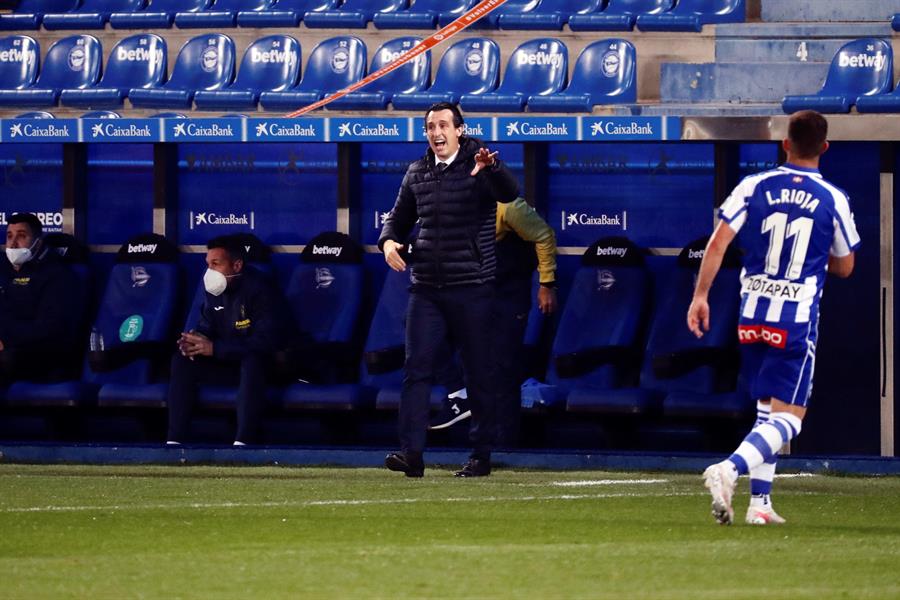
column 698, row 313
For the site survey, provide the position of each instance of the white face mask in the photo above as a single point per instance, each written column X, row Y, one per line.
column 20, row 256
column 214, row 282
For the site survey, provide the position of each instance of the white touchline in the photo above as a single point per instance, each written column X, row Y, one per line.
column 592, row 482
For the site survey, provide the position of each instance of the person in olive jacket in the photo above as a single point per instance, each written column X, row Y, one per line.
column 452, row 192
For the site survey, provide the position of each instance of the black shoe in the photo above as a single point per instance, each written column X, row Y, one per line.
column 398, row 461
column 476, row 467
column 453, row 410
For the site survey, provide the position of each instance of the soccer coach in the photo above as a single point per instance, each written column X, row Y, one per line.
column 452, row 192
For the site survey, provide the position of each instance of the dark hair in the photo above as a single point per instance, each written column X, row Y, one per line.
column 457, row 115
column 807, row 131
column 231, row 245
column 29, row 219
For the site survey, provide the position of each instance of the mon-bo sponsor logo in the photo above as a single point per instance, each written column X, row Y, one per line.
column 752, row 334
column 582, row 219
column 199, row 219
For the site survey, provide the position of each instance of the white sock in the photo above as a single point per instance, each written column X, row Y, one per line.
column 764, row 442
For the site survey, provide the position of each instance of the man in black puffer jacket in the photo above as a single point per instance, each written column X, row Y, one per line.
column 452, row 192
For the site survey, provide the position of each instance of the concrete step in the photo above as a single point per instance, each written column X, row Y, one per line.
column 739, row 82
column 768, row 50
column 712, row 109
column 801, row 30
column 829, row 10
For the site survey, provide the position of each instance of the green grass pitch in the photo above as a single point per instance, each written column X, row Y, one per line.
column 244, row 532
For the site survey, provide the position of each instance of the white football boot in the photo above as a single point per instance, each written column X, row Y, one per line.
column 764, row 515
column 719, row 479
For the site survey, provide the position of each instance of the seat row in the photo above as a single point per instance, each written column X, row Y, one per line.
column 270, row 74
column 581, row 15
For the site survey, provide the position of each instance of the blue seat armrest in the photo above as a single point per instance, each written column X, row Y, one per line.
column 205, row 19
column 336, row 19
column 141, row 20
column 361, row 101
column 820, row 102
column 226, row 99
column 422, row 100
column 601, row 22
column 406, row 20
column 287, row 100
column 16, row 22
column 561, row 103
column 75, row 21
column 269, row 18
column 538, row 22
column 29, row 97
column 493, row 102
column 94, row 97
column 160, row 98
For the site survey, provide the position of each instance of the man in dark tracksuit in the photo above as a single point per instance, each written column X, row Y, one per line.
column 240, row 328
column 37, row 330
column 452, row 192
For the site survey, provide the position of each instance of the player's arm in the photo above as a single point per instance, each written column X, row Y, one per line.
column 841, row 266
column 698, row 313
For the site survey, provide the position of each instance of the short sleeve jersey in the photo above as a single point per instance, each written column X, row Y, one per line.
column 789, row 220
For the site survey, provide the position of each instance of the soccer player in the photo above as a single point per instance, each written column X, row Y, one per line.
column 795, row 227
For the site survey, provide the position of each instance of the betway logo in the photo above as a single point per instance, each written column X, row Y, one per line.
column 526, row 128
column 141, row 248
column 381, row 129
column 696, row 254
column 576, row 219
column 276, row 130
column 539, row 58
column 28, row 130
column 113, row 130
column 272, row 56
column 862, row 61
column 14, row 55
column 612, row 251
column 327, row 250
column 140, row 55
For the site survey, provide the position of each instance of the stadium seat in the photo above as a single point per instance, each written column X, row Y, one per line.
column 270, row 64
column 159, row 15
column 511, row 7
column 91, row 14
column 615, row 59
column 333, row 64
column 101, row 114
column 537, row 67
column 424, row 14
column 167, row 115
column 411, row 77
column 20, row 59
column 38, row 114
column 136, row 62
column 29, row 13
column 352, row 14
column 71, row 63
column 205, row 62
column 619, row 15
column 470, row 66
column 862, row 67
column 325, row 297
column 285, row 13
column 880, row 103
column 895, row 22
column 223, row 13
column 549, row 14
column 692, row 15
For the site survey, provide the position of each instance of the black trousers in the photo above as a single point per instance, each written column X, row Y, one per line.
column 249, row 374
column 510, row 319
column 462, row 313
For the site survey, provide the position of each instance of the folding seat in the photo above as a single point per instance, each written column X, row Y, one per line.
column 333, row 64
column 470, row 66
column 91, row 14
column 270, row 64
column 424, row 14
column 511, row 7
column 284, row 13
column 411, row 77
column 38, row 114
column 101, row 114
column 862, row 67
column 692, row 15
column 29, row 13
column 352, row 14
column 136, row 62
column 205, row 62
column 549, row 14
column 223, row 13
column 619, row 15
column 880, row 103
column 160, row 14
column 605, row 73
column 20, row 59
column 71, row 63
column 537, row 67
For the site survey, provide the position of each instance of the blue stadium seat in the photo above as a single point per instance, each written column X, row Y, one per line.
column 223, row 13
column 101, row 114
column 205, row 62
column 619, row 15
column 511, row 7
column 285, row 13
column 605, row 73
column 71, row 63
column 333, row 64
column 692, row 15
column 880, row 103
column 29, row 13
column 411, row 77
column 549, row 14
column 895, row 22
column 270, row 64
column 862, row 67
column 352, row 14
column 424, row 14
column 537, row 67
column 159, row 15
column 167, row 115
column 91, row 14
column 20, row 60
column 470, row 66
column 136, row 62
column 38, row 114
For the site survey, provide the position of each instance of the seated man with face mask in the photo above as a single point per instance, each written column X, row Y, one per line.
column 241, row 326
column 37, row 331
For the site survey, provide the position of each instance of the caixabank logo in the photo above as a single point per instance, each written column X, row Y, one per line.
column 121, row 130
column 349, row 130
column 52, row 222
column 285, row 130
column 537, row 128
column 630, row 128
column 39, row 130
column 201, row 220
column 203, row 130
column 614, row 220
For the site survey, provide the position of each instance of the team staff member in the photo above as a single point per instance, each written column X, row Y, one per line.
column 240, row 328
column 453, row 193
column 37, row 334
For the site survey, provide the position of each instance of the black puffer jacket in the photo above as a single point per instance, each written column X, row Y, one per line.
column 456, row 214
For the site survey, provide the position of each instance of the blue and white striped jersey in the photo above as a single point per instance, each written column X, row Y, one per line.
column 789, row 220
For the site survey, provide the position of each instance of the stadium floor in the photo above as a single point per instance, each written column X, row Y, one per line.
column 273, row 532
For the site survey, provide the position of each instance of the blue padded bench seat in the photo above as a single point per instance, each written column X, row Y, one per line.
column 347, row 397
